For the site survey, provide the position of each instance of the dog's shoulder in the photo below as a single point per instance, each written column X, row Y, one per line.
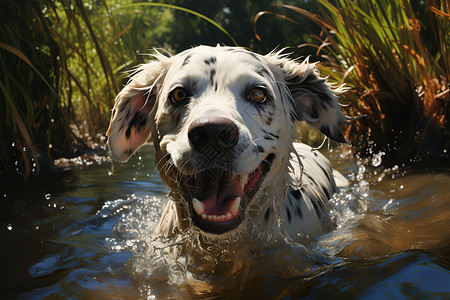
column 306, row 209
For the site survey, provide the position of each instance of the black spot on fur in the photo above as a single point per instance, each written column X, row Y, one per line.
column 137, row 121
column 275, row 135
column 267, row 215
column 124, row 105
column 252, row 55
column 325, row 190
column 272, row 135
column 268, row 138
column 316, row 208
column 327, row 174
column 186, row 60
column 260, row 148
column 311, row 178
column 211, row 60
column 269, row 119
column 297, row 194
column 320, row 201
column 288, row 214
column 212, row 74
column 264, row 73
column 298, row 212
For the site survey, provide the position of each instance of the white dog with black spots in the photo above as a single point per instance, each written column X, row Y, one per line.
column 222, row 121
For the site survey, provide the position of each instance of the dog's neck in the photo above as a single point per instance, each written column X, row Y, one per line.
column 264, row 213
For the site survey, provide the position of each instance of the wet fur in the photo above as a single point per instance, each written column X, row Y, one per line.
column 300, row 182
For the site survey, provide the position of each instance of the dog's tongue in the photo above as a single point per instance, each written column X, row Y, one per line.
column 217, row 194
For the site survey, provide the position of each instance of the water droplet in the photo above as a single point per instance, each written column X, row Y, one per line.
column 47, row 196
column 13, row 144
column 110, row 173
column 9, row 227
column 377, row 159
column 37, row 227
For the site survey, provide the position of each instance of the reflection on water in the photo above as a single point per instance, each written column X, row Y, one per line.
column 87, row 233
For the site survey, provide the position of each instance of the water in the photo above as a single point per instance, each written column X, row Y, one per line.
column 85, row 233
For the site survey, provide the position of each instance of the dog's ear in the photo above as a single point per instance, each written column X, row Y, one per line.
column 314, row 100
column 133, row 113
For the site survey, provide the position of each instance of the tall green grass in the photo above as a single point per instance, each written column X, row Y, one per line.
column 56, row 91
column 394, row 56
column 62, row 63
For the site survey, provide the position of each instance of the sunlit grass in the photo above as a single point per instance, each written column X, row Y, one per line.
column 62, row 64
column 394, row 56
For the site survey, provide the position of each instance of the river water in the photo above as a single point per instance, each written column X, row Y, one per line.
column 85, row 232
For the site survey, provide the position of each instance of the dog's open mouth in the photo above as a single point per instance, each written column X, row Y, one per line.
column 218, row 199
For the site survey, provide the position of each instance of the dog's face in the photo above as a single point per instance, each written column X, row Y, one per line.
column 222, row 122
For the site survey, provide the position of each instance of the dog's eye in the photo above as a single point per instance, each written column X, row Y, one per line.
column 256, row 95
column 178, row 95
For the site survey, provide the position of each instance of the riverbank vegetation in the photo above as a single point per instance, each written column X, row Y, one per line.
column 63, row 62
column 394, row 58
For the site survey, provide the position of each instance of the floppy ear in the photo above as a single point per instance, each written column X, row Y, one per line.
column 133, row 113
column 314, row 100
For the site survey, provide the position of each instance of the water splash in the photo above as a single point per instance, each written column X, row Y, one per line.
column 194, row 263
column 190, row 264
column 80, row 161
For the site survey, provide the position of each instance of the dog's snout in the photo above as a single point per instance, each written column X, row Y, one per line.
column 218, row 132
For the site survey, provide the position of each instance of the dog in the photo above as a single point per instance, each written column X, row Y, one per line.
column 222, row 121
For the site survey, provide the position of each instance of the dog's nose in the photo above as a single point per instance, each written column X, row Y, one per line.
column 213, row 133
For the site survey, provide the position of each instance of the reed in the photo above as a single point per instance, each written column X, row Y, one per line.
column 394, row 57
column 62, row 63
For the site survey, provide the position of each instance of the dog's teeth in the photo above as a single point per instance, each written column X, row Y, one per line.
column 228, row 216
column 222, row 217
column 198, row 206
column 210, row 217
column 244, row 179
column 203, row 216
column 234, row 209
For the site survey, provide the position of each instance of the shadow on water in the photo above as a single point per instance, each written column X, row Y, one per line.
column 86, row 233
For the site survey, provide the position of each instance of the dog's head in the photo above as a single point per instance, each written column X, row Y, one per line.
column 222, row 122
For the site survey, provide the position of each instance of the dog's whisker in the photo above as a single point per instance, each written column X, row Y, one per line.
column 162, row 159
